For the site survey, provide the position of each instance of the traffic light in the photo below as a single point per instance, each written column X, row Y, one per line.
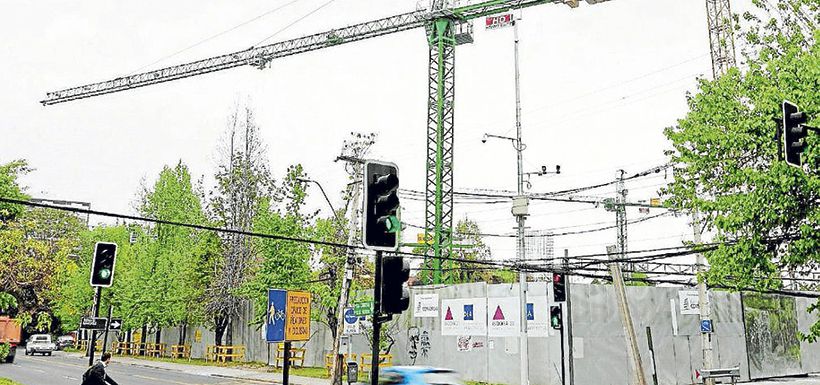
column 559, row 291
column 794, row 131
column 381, row 205
column 395, row 296
column 102, row 267
column 555, row 317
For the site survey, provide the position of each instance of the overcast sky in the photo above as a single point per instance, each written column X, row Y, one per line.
column 599, row 84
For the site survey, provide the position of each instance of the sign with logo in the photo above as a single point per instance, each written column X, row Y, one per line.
column 498, row 21
column 352, row 324
column 93, row 323
column 425, row 305
column 464, row 317
column 198, row 335
column 537, row 316
column 504, row 317
column 363, row 308
column 275, row 317
column 706, row 326
column 689, row 301
column 116, row 324
column 297, row 312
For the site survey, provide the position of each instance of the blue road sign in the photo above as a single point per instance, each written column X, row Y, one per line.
column 350, row 316
column 706, row 326
column 530, row 312
column 275, row 318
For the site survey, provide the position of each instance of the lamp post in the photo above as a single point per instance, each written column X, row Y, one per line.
column 336, row 378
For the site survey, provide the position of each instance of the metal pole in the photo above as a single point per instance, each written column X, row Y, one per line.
column 563, row 356
column 286, row 365
column 703, row 299
column 522, row 276
column 107, row 326
column 567, row 289
column 93, row 340
column 377, row 293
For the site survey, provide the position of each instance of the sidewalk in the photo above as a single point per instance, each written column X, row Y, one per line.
column 217, row 371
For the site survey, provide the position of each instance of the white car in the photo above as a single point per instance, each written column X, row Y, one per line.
column 40, row 343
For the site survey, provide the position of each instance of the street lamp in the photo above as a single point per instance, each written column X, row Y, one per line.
column 348, row 276
column 308, row 180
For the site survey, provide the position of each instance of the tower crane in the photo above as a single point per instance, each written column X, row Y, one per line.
column 446, row 26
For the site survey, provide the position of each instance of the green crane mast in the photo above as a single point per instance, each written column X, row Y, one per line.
column 446, row 27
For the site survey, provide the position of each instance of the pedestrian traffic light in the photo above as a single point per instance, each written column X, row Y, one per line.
column 102, row 266
column 395, row 297
column 555, row 317
column 381, row 205
column 794, row 131
column 559, row 293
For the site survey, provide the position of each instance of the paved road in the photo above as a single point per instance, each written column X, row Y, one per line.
column 61, row 369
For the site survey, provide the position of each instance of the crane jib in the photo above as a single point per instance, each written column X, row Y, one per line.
column 260, row 56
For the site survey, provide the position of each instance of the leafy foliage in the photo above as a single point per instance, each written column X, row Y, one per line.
column 726, row 154
column 9, row 188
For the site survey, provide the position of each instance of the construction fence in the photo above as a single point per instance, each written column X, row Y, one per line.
column 473, row 329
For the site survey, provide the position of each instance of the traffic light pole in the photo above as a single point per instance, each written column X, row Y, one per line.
column 563, row 355
column 93, row 338
column 377, row 314
column 568, row 291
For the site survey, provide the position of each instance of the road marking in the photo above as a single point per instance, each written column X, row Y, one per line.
column 161, row 379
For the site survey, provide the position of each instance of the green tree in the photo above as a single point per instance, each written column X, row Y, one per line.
column 10, row 188
column 280, row 263
column 36, row 249
column 243, row 186
column 168, row 287
column 726, row 156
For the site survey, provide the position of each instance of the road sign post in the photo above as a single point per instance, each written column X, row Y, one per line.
column 287, row 319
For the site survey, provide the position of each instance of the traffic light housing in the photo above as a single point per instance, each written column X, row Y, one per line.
column 556, row 320
column 395, row 298
column 102, row 266
column 381, row 206
column 794, row 132
column 559, row 288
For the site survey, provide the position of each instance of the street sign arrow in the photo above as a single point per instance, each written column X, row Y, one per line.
column 116, row 324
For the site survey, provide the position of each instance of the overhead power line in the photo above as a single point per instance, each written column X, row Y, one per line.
column 497, row 264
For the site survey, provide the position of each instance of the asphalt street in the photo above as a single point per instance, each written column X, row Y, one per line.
column 60, row 369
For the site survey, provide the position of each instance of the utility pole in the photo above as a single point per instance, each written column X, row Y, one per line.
column 704, row 307
column 626, row 319
column 336, row 372
column 722, row 48
column 521, row 216
column 620, row 216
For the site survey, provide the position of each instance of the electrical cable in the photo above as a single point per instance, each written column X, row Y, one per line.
column 508, row 265
column 295, row 22
column 213, row 36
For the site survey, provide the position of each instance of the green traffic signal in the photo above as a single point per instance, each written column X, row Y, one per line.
column 555, row 317
column 104, row 273
column 392, row 224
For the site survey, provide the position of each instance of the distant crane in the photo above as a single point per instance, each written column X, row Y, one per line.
column 721, row 40
column 446, row 27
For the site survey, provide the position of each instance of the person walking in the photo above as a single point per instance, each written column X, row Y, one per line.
column 96, row 375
